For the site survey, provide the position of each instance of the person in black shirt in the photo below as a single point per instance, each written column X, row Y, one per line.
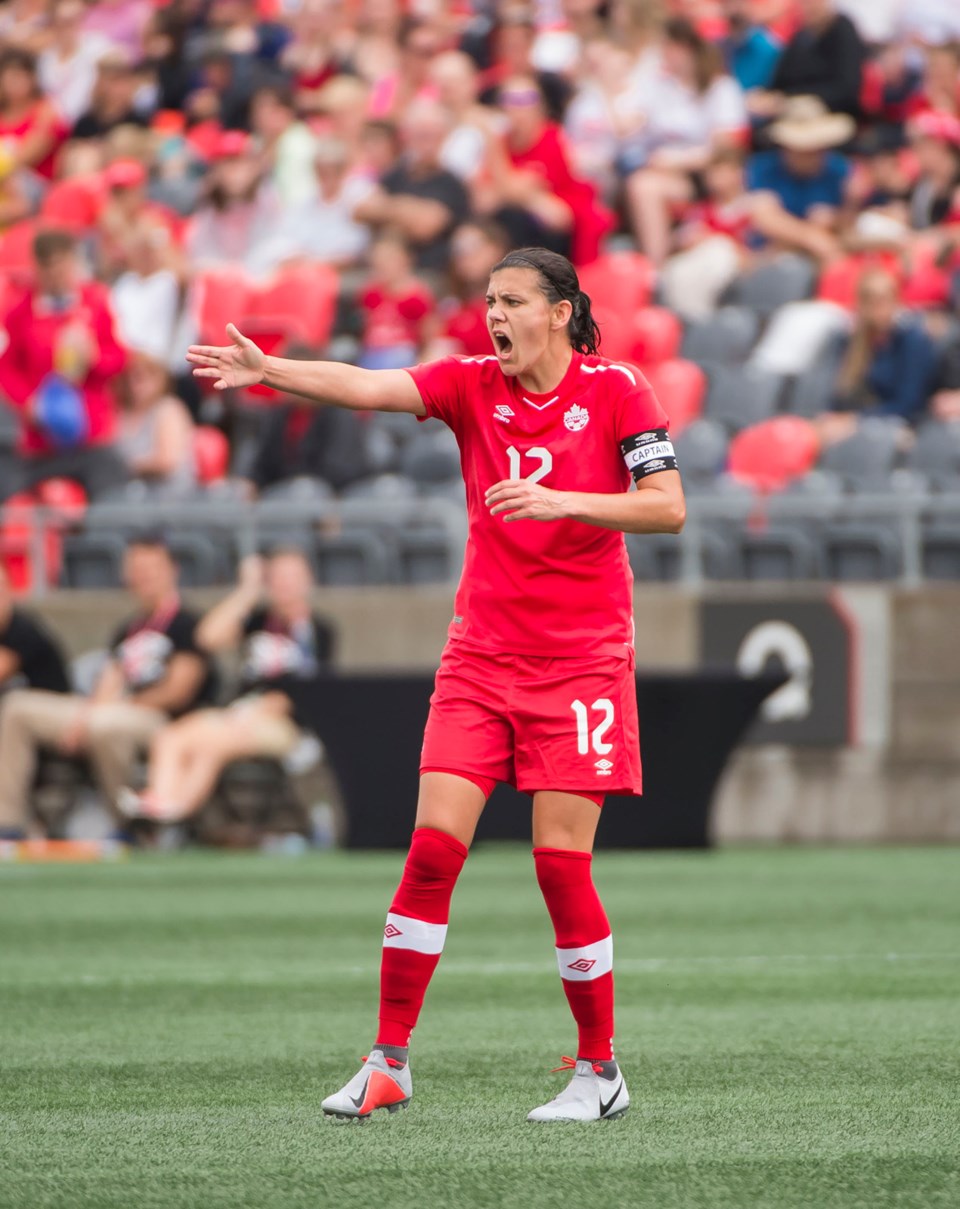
column 154, row 672
column 282, row 643
column 419, row 197
column 824, row 58
column 29, row 655
column 113, row 101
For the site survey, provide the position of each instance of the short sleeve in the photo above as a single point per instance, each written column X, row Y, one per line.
column 638, row 408
column 440, row 384
column 726, row 106
column 182, row 632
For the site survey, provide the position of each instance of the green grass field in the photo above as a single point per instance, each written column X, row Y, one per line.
column 789, row 1022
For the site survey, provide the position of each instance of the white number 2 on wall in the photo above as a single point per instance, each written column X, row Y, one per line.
column 538, row 453
column 584, row 737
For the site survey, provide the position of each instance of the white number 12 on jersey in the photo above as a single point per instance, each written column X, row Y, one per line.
column 543, row 456
column 604, row 705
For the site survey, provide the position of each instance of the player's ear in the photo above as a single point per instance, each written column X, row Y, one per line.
column 561, row 314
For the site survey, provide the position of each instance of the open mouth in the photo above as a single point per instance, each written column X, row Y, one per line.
column 502, row 343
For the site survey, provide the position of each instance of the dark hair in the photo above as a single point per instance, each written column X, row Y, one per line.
column 707, row 57
column 51, row 243
column 150, row 539
column 18, row 56
column 559, row 282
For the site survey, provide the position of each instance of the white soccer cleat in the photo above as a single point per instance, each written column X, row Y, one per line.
column 380, row 1083
column 587, row 1097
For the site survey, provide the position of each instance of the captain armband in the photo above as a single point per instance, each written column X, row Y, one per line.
column 648, row 453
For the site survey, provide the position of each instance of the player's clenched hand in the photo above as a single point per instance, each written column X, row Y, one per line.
column 522, row 500
column 239, row 363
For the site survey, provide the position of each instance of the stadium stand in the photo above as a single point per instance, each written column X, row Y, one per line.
column 204, row 193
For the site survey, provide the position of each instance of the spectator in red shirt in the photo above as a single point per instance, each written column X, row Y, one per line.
column 61, row 344
column 533, row 192
column 30, row 129
column 395, row 305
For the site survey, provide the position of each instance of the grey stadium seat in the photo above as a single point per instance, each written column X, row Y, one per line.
column 936, row 454
column 424, row 555
column 431, row 457
column 940, row 550
column 789, row 278
column 93, row 560
column 811, row 393
column 779, row 552
column 355, row 556
column 726, row 336
column 739, row 396
column 866, row 459
column 702, row 451
column 384, row 487
column 867, row 552
column 658, row 557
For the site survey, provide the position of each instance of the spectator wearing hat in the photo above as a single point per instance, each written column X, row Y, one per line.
column 56, row 370
column 128, row 212
column 155, row 429
column 30, row 656
column 30, row 129
column 420, row 197
column 240, row 220
column 800, row 186
column 155, row 671
column 325, row 227
column 113, row 100
column 824, row 58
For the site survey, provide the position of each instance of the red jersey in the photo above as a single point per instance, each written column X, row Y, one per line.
column 392, row 318
column 557, row 588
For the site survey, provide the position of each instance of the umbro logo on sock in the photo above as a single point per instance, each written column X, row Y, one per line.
column 392, row 930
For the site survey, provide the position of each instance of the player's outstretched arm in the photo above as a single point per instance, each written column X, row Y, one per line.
column 657, row 505
column 242, row 363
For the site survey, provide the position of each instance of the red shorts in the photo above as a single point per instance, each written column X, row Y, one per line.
column 536, row 722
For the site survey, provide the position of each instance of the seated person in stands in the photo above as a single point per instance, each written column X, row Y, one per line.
column 30, row 657
column 459, row 325
column 155, row 671
column 800, row 187
column 56, row 370
column 155, row 431
column 283, row 643
column 889, row 365
column 395, row 305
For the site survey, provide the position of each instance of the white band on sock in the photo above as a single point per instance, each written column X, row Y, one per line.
column 402, row 932
column 586, row 962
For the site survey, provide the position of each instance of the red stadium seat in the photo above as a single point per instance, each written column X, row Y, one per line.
column 220, row 296
column 768, row 455
column 18, row 545
column 839, row 280
column 618, row 283
column 211, row 451
column 928, row 283
column 16, row 249
column 63, row 497
column 74, row 203
column 657, row 335
column 301, row 300
column 681, row 387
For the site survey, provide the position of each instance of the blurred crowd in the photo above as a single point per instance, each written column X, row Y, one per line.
column 340, row 175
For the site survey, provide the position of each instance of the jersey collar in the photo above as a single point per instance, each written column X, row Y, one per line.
column 542, row 402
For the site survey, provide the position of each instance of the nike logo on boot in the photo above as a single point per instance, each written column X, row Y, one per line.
column 605, row 1108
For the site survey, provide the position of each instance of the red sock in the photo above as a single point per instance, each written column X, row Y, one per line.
column 584, row 946
column 416, row 929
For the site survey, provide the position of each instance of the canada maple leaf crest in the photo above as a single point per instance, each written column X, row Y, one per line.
column 576, row 418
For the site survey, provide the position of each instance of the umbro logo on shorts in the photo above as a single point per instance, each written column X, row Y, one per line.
column 603, row 768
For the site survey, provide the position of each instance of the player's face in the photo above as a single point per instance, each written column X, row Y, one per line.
column 520, row 320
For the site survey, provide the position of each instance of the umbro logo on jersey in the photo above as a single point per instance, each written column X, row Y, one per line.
column 576, row 418
column 583, row 966
column 503, row 413
column 603, row 768
column 391, row 930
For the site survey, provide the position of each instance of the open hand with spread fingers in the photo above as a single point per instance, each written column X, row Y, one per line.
column 240, row 363
column 523, row 500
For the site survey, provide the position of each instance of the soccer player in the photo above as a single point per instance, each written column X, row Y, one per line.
column 536, row 683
